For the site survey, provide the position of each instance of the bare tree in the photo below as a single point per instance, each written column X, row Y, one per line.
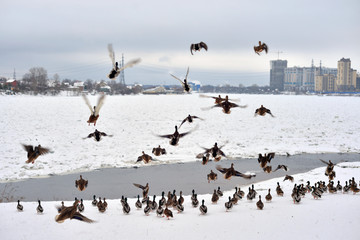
column 36, row 79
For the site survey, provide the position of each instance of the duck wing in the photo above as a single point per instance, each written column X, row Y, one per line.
column 112, row 55
column 79, row 216
column 187, row 73
column 239, row 174
column 130, row 64
column 87, row 102
column 100, row 103
column 270, row 156
column 139, row 186
column 183, row 122
column 90, row 135
column 281, row 167
column 203, row 45
column 182, row 83
column 222, row 170
column 265, row 47
column 43, row 150
column 192, row 46
column 28, row 148
column 327, row 163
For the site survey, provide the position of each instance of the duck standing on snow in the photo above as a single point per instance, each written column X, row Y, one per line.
column 260, row 48
column 175, row 137
column 94, row 110
column 184, row 84
column 229, row 204
column 198, row 47
column 262, row 111
column 229, row 172
column 94, row 201
column 34, row 152
column 138, row 204
column 81, row 184
column 214, row 197
column 126, row 207
column 168, row 213
column 97, row 135
column 39, row 208
column 203, row 208
column 279, row 191
column 260, row 204
column 268, row 197
column 158, row 151
column 19, row 206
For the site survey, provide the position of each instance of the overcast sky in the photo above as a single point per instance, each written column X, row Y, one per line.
column 70, row 37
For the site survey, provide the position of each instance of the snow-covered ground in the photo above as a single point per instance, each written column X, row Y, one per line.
column 302, row 124
column 334, row 216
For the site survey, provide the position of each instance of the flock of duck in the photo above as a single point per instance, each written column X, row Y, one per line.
column 164, row 205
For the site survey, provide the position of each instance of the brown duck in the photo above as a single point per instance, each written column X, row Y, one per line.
column 71, row 213
column 226, row 105
column 175, row 137
column 184, row 83
column 34, row 152
column 94, row 110
column 81, row 184
column 197, row 47
column 158, row 151
column 260, row 48
column 189, row 119
column 263, row 160
column 211, row 176
column 229, row 172
column 262, row 111
column 144, row 157
column 144, row 188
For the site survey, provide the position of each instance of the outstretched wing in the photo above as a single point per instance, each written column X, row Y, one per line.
column 265, row 47
column 130, row 64
column 239, row 174
column 236, row 105
column 222, row 153
column 203, row 45
column 139, row 186
column 182, row 83
column 166, row 136
column 270, row 156
column 99, row 104
column 28, row 148
column 191, row 48
column 87, row 102
column 79, row 216
column 220, row 169
column 182, row 122
column 112, row 55
column 281, row 167
column 187, row 73
column 324, row 162
column 43, row 150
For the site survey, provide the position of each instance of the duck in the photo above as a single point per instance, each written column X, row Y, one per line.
column 288, row 177
column 144, row 157
column 214, row 197
column 332, row 175
column 262, row 111
column 205, row 158
column 175, row 137
column 126, row 207
column 229, row 204
column 346, row 188
column 181, row 198
column 39, row 208
column 197, row 47
column 316, row 193
column 267, row 169
column 61, row 207
column 169, row 201
column 144, row 188
column 81, row 184
column 308, row 186
column 195, row 201
column 94, row 202
column 296, row 196
column 81, row 206
column 174, row 198
column 115, row 71
column 160, row 210
column 184, row 83
column 153, row 204
column 211, row 176
column 97, row 135
column 268, row 197
column 263, row 160
column 238, row 194
column 34, row 152
column 338, row 186
column 71, row 213
column 179, row 206
column 260, row 48
column 147, row 209
column 226, row 105
column 193, row 195
column 229, row 172
column 138, row 204
column 144, row 199
column 251, row 194
column 94, row 110
column 189, row 119
column 241, row 192
column 354, row 188
column 234, row 199
column 19, row 206
column 168, row 213
column 260, row 204
column 215, row 152
column 105, row 203
column 101, row 206
column 158, row 151
column 162, row 200
column 279, row 191
column 219, row 192
column 203, row 208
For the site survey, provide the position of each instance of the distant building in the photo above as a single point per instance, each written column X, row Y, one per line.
column 277, row 74
column 346, row 78
column 325, row 83
column 358, row 82
column 195, row 85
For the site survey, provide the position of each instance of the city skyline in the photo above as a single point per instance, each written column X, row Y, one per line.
column 70, row 39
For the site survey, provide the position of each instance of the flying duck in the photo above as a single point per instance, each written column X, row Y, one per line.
column 144, row 188
column 226, row 105
column 260, row 48
column 94, row 110
column 197, row 47
column 34, row 152
column 184, row 83
column 144, row 157
column 263, row 160
column 81, row 184
column 158, row 151
column 229, row 172
column 262, row 111
column 189, row 119
column 71, row 213
column 175, row 137
column 97, row 135
column 211, row 176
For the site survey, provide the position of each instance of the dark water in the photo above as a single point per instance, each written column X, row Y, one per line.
column 114, row 182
